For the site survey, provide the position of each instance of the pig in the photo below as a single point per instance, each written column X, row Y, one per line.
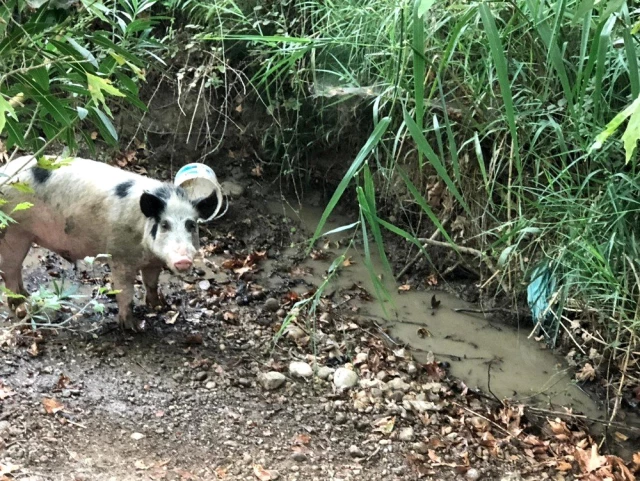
column 87, row 208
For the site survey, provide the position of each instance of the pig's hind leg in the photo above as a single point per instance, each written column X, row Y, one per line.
column 14, row 247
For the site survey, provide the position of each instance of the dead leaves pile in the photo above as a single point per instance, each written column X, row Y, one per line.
column 560, row 448
column 244, row 266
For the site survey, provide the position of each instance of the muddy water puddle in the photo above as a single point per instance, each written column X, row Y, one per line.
column 494, row 357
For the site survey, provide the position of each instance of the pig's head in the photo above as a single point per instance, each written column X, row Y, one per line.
column 171, row 231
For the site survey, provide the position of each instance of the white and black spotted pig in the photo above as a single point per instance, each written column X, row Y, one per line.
column 89, row 208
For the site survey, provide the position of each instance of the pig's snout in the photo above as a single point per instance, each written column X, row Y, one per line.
column 182, row 264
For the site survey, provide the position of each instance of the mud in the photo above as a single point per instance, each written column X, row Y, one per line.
column 182, row 401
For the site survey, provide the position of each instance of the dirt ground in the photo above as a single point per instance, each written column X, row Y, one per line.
column 205, row 394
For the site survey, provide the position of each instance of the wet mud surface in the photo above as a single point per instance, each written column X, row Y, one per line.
column 205, row 393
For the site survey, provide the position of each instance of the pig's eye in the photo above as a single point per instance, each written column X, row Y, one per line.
column 190, row 225
column 164, row 225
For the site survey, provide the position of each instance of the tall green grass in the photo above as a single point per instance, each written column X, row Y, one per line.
column 500, row 101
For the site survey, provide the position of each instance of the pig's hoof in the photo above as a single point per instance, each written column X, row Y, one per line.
column 131, row 324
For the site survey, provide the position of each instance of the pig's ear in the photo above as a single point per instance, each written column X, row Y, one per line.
column 208, row 206
column 151, row 205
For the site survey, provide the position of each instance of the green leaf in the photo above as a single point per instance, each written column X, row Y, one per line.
column 22, row 187
column 371, row 143
column 5, row 108
column 98, row 85
column 631, row 135
column 22, row 206
column 424, row 6
column 82, row 112
column 106, row 127
column 88, row 56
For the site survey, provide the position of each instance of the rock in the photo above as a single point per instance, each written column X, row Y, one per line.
column 294, row 332
column 211, row 385
column 4, row 428
column 281, row 313
column 341, row 418
column 355, row 452
column 300, row 369
column 243, row 381
column 472, row 474
column 201, row 376
column 325, row 371
column 361, row 358
column 65, row 393
column 382, row 376
column 137, row 436
column 406, row 434
column 398, row 384
column 271, row 380
column 412, row 368
column 422, row 448
column 420, row 406
column 299, row 457
column 344, row 378
column 232, row 189
column 272, row 304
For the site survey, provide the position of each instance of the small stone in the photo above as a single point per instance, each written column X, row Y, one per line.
column 341, row 418
column 421, row 448
column 271, row 380
column 382, row 375
column 406, row 434
column 472, row 474
column 299, row 457
column 232, row 188
column 65, row 393
column 272, row 304
column 178, row 377
column 345, row 378
column 4, row 428
column 412, row 368
column 300, row 369
column 420, row 406
column 294, row 332
column 210, row 385
column 398, row 384
column 376, row 393
column 137, row 436
column 355, row 452
column 243, row 381
column 325, row 371
column 281, row 313
column 361, row 358
column 201, row 376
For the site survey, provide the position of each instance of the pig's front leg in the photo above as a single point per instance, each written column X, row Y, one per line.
column 150, row 275
column 123, row 277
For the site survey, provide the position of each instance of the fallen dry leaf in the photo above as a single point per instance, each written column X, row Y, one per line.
column 264, row 474
column 589, row 461
column 221, row 472
column 63, row 382
column 302, row 439
column 347, row 262
column 257, row 171
column 404, row 287
column 384, row 425
column 5, row 391
column 587, row 373
column 52, row 406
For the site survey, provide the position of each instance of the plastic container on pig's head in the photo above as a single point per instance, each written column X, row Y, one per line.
column 198, row 181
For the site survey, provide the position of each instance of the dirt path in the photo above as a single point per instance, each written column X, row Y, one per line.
column 205, row 395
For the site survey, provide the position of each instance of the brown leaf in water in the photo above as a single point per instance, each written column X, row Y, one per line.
column 560, row 430
column 404, row 287
column 317, row 255
column 347, row 262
